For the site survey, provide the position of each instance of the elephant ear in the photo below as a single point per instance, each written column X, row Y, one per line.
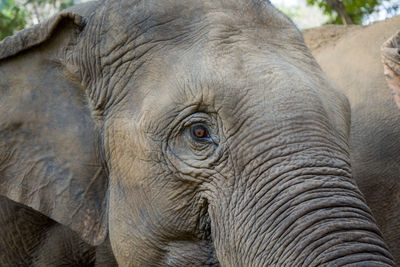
column 37, row 34
column 50, row 146
column 391, row 65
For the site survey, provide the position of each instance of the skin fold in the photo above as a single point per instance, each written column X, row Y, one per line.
column 351, row 57
column 185, row 133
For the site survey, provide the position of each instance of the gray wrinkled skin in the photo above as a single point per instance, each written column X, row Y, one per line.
column 390, row 51
column 98, row 112
column 351, row 57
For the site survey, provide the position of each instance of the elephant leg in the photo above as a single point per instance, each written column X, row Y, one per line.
column 391, row 65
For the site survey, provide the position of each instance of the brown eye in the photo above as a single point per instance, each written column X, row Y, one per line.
column 200, row 132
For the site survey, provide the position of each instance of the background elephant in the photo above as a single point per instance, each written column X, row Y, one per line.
column 351, row 57
column 192, row 133
column 391, row 63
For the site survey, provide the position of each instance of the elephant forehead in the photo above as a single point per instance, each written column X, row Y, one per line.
column 221, row 83
column 198, row 76
column 212, row 53
column 127, row 13
column 144, row 40
column 183, row 23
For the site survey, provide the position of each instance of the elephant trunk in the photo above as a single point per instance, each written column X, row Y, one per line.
column 302, row 210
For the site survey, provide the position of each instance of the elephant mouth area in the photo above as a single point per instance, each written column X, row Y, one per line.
column 190, row 253
column 193, row 250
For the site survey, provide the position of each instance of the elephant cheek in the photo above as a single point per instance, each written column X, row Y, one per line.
column 128, row 218
column 119, row 226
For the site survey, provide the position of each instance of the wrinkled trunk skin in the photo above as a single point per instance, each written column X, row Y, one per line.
column 304, row 216
column 293, row 201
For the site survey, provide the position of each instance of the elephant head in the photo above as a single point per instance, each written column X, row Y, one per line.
column 391, row 64
column 193, row 132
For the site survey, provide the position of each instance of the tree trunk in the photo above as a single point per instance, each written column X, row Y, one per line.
column 338, row 6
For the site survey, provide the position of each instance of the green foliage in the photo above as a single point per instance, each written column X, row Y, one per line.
column 18, row 14
column 359, row 10
column 57, row 4
column 12, row 18
column 291, row 12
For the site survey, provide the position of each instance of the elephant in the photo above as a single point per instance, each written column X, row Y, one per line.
column 187, row 133
column 25, row 228
column 30, row 238
column 391, row 61
column 350, row 56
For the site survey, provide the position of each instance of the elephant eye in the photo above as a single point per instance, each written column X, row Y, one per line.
column 200, row 132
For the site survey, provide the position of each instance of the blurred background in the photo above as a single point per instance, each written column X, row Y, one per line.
column 19, row 14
